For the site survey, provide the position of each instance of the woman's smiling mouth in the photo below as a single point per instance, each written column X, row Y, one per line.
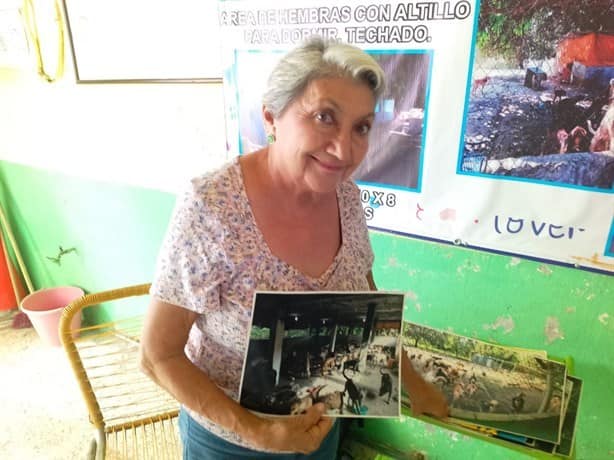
column 328, row 166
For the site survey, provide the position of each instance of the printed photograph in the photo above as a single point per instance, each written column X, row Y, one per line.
column 503, row 388
column 568, row 431
column 340, row 349
column 396, row 140
column 540, row 98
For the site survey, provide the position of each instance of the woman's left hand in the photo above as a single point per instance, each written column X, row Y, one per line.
column 425, row 397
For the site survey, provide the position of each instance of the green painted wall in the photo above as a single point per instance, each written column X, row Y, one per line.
column 510, row 301
column 117, row 230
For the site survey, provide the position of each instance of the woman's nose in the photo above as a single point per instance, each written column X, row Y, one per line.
column 342, row 144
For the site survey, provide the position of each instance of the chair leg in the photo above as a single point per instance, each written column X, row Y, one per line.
column 101, row 444
column 91, row 450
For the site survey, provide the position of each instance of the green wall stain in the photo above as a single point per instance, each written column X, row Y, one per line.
column 117, row 231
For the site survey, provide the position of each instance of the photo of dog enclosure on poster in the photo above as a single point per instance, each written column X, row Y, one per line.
column 540, row 95
column 396, row 141
column 340, row 349
column 397, row 138
column 507, row 389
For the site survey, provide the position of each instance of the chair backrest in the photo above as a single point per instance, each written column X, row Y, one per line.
column 118, row 396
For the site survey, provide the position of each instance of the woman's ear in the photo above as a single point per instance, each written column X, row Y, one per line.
column 269, row 124
column 269, row 120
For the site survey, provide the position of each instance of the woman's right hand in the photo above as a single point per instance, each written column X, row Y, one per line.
column 163, row 359
column 301, row 433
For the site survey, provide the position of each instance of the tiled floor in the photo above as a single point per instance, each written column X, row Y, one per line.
column 42, row 416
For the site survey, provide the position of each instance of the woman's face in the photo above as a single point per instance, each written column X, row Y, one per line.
column 323, row 134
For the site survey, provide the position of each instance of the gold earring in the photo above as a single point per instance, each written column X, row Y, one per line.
column 270, row 138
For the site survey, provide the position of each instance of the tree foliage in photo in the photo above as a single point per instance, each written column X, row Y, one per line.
column 517, row 30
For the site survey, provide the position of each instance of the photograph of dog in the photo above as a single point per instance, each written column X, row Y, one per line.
column 603, row 136
column 339, row 349
column 478, row 85
column 539, row 113
column 499, row 387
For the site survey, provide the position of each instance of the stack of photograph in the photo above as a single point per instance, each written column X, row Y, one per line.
column 343, row 349
column 515, row 395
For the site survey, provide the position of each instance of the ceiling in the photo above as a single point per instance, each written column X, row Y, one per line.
column 342, row 308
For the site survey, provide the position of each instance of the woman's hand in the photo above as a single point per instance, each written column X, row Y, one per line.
column 301, row 433
column 425, row 397
column 163, row 359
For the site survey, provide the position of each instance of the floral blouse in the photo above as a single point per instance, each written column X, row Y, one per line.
column 214, row 258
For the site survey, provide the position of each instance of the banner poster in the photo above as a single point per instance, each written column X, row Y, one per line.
column 493, row 130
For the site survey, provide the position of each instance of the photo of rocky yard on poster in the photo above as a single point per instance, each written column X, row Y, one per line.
column 540, row 102
column 338, row 348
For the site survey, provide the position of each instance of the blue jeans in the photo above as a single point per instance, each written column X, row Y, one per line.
column 200, row 444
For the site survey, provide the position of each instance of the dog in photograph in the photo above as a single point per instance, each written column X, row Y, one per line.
column 518, row 402
column 332, row 401
column 574, row 141
column 458, row 391
column 385, row 385
column 300, row 405
column 554, row 405
column 478, row 85
column 354, row 394
column 603, row 136
column 578, row 140
column 351, row 364
column 558, row 95
column 328, row 366
column 489, row 406
column 562, row 136
column 436, row 375
column 471, row 389
column 609, row 92
column 441, row 376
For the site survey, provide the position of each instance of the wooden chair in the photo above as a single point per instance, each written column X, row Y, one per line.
column 132, row 416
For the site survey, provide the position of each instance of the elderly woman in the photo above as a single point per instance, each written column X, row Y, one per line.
column 287, row 218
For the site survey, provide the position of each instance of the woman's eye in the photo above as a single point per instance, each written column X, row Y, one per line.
column 363, row 129
column 324, row 117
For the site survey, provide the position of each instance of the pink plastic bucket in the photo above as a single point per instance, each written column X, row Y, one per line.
column 44, row 308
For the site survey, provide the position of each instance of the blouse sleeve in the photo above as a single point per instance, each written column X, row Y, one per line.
column 190, row 263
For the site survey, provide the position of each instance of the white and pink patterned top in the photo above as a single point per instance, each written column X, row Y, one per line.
column 214, row 257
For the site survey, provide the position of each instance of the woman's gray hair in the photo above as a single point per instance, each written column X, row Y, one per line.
column 319, row 58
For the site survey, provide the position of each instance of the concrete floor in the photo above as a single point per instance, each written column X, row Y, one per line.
column 43, row 415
